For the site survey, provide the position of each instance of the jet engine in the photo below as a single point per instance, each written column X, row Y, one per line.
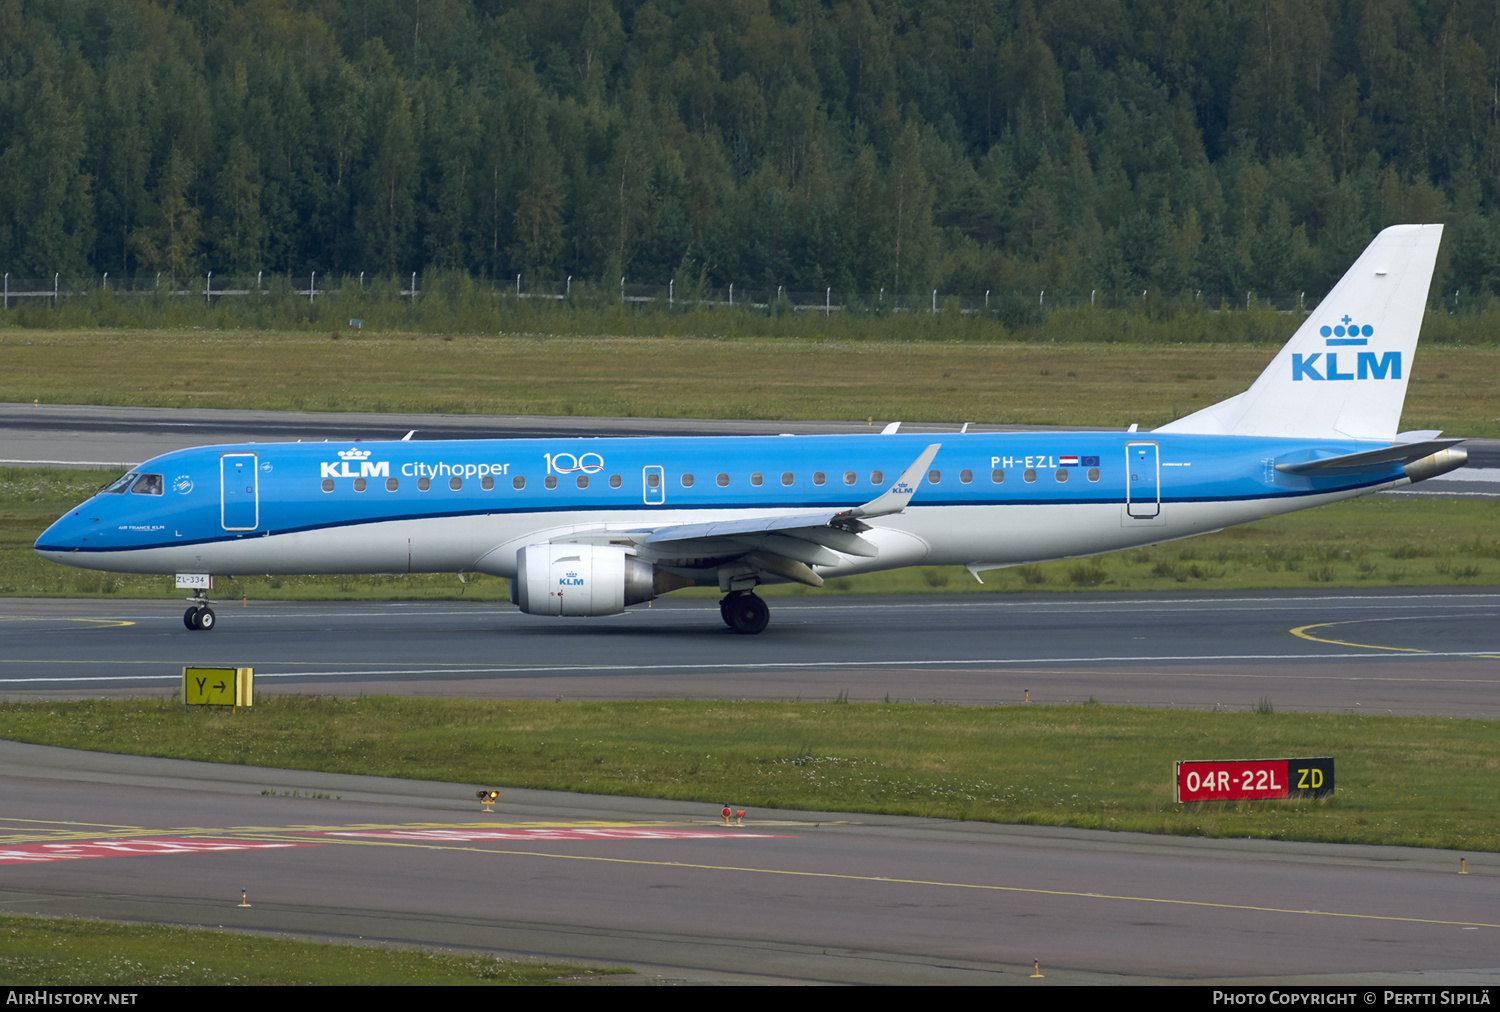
column 565, row 579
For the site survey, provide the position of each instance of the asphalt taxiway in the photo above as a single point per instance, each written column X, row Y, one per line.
column 666, row 888
column 1429, row 651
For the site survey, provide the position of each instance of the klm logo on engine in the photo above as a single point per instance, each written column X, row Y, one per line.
column 570, row 580
column 367, row 468
column 1367, row 364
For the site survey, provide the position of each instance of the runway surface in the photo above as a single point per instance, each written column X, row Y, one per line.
column 664, row 887
column 110, row 438
column 1431, row 651
column 96, row 436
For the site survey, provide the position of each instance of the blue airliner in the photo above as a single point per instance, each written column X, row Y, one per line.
column 592, row 526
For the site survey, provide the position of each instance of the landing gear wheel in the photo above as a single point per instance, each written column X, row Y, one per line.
column 745, row 613
column 200, row 617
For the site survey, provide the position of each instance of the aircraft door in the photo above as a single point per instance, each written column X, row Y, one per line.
column 1143, row 488
column 239, row 492
column 653, row 485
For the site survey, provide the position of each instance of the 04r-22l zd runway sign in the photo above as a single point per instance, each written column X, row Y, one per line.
column 1254, row 779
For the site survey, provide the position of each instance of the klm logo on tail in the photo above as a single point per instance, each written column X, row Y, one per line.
column 1367, row 364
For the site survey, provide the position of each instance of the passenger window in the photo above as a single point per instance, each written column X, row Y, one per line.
column 1093, row 474
column 966, row 476
column 1062, row 474
column 550, row 481
column 1029, row 474
column 486, row 483
column 391, row 484
column 933, row 477
column 653, row 480
column 360, row 484
column 756, row 479
column 723, row 480
column 819, row 477
column 687, row 481
column 455, row 483
column 786, row 478
column 147, row 484
column 877, row 477
column 849, row 478
column 424, row 483
column 614, row 481
column 518, row 482
column 327, row 484
column 997, row 475
column 583, row 481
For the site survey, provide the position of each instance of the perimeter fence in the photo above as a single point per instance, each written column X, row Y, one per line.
column 452, row 302
column 672, row 295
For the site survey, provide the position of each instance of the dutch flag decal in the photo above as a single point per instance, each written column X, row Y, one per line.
column 1067, row 461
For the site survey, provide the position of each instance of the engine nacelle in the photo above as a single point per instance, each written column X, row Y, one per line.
column 580, row 580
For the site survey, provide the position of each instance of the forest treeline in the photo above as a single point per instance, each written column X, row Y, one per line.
column 1202, row 149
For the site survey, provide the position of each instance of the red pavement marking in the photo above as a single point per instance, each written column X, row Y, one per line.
column 75, row 850
column 546, row 833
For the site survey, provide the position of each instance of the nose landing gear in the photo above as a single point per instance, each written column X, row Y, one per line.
column 199, row 617
column 745, row 613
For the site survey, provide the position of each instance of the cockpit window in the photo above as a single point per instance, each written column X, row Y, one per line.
column 119, row 485
column 147, row 484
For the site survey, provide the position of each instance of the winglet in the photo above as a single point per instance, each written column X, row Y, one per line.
column 895, row 498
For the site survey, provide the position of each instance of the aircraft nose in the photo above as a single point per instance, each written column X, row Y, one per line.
column 68, row 534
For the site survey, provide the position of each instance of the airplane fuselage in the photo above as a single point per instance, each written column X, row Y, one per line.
column 454, row 506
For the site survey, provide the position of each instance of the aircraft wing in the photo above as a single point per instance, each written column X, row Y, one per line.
column 790, row 545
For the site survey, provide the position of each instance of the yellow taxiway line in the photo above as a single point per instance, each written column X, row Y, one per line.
column 1301, row 632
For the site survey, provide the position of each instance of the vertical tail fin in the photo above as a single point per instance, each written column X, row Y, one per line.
column 1343, row 374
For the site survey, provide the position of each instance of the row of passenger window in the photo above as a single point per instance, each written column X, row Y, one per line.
column 653, row 480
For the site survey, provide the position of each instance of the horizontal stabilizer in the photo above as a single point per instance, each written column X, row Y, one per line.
column 1371, row 460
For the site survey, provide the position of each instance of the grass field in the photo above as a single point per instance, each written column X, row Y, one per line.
column 1083, row 384
column 1376, row 542
column 1400, row 780
column 71, row 952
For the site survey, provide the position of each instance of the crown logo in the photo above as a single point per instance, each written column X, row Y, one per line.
column 354, row 454
column 1347, row 328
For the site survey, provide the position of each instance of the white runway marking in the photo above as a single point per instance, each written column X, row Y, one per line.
column 781, row 665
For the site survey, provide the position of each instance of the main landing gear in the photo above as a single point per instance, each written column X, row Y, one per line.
column 199, row 616
column 745, row 613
